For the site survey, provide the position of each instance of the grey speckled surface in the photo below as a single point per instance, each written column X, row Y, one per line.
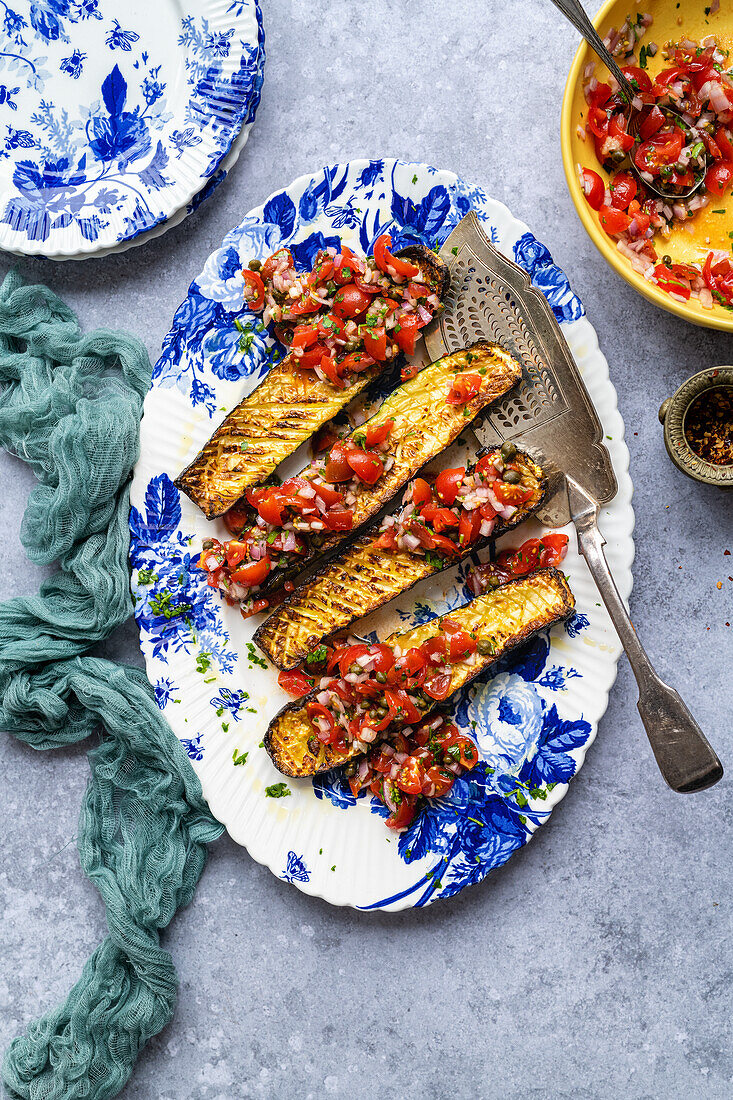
column 597, row 964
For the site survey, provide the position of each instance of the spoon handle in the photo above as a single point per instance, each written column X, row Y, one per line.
column 573, row 10
column 684, row 755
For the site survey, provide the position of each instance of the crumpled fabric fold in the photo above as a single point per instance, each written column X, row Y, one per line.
column 70, row 407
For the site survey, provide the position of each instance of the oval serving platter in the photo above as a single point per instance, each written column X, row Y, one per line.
column 117, row 120
column 533, row 720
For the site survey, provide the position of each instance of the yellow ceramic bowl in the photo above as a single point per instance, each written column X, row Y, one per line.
column 672, row 20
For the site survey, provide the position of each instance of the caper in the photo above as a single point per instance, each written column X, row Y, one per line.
column 508, row 451
column 350, row 768
column 381, row 677
column 512, row 477
column 667, row 261
column 356, row 669
column 486, row 648
column 207, row 544
column 255, row 265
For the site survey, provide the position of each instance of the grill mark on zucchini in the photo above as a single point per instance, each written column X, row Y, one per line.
column 361, row 579
column 273, row 420
column 424, row 425
column 507, row 616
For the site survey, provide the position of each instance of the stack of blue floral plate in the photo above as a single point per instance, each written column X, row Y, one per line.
column 117, row 120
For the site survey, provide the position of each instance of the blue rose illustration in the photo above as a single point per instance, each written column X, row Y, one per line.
column 221, row 280
column 508, row 716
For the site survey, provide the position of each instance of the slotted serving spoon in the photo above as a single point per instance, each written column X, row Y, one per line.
column 550, row 414
column 573, row 11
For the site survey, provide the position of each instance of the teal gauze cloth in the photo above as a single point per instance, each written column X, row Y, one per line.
column 70, row 407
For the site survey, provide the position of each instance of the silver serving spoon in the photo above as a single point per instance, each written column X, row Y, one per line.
column 573, row 11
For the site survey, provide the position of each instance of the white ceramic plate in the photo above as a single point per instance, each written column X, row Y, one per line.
column 533, row 720
column 116, row 119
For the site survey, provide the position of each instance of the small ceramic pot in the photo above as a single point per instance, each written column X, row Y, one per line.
column 672, row 414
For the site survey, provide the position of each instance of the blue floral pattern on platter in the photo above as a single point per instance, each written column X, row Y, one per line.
column 96, row 144
column 525, row 717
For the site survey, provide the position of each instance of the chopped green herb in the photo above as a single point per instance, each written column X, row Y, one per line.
column 147, row 576
column 203, row 661
column 278, row 790
column 239, row 757
column 161, row 605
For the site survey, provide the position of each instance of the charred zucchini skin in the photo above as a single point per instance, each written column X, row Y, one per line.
column 424, row 426
column 357, row 582
column 273, row 420
column 507, row 617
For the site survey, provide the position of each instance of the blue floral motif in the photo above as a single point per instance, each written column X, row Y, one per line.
column 74, row 64
column 164, row 689
column 527, row 745
column 232, row 701
column 506, row 717
column 193, row 747
column 548, row 277
column 335, row 787
column 178, row 610
column 119, row 138
column 576, row 623
column 296, row 870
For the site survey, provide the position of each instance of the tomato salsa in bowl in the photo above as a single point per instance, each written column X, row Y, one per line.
column 676, row 253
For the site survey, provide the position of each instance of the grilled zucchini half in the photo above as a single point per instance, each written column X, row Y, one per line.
column 501, row 620
column 424, row 425
column 362, row 578
column 282, row 412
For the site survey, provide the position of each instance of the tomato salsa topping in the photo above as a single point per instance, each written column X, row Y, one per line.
column 375, row 698
column 446, row 513
column 276, row 525
column 672, row 153
column 510, row 564
column 345, row 314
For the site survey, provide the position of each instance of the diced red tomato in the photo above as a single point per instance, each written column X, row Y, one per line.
column 355, row 362
column 253, row 573
column 441, row 779
column 600, row 94
column 367, row 466
column 661, row 150
column 461, row 645
column 554, row 548
column 614, row 221
column 339, row 519
column 375, row 342
column 236, row 518
column 623, row 190
column 272, row 263
column 463, row 388
column 421, row 492
column 404, row 814
column 651, row 123
column 411, row 776
column 439, row 687
column 448, row 482
column 347, row 266
column 236, row 552
column 254, row 290
column 349, row 301
column 337, row 468
column 377, row 433
column 469, row 528
column 638, row 76
column 406, row 331
column 296, row 683
column 718, row 178
column 443, row 519
column 386, row 261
